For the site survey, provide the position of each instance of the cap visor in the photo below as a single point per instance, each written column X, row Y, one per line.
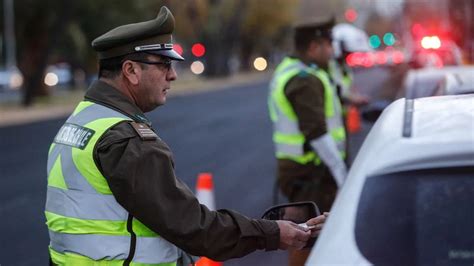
column 172, row 54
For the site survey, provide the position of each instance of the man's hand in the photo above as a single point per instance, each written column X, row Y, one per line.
column 318, row 223
column 292, row 236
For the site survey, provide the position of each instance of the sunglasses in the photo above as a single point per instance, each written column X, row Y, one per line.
column 167, row 64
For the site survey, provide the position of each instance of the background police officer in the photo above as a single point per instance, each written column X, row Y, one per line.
column 113, row 196
column 308, row 133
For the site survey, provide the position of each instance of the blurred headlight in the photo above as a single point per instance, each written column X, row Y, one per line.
column 260, row 63
column 197, row 67
column 16, row 80
column 51, row 79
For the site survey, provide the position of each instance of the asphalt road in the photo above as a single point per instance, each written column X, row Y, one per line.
column 225, row 132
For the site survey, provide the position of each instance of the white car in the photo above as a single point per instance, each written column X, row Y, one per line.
column 409, row 196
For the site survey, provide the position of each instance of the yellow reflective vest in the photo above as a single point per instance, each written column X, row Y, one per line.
column 288, row 139
column 87, row 226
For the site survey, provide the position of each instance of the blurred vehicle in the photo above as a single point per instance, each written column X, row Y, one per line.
column 58, row 75
column 425, row 82
column 456, row 83
column 352, row 44
column 435, row 51
column 387, row 57
column 10, row 79
column 409, row 195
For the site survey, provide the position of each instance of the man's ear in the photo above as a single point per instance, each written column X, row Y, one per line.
column 131, row 71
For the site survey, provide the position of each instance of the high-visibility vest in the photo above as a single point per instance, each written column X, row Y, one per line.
column 288, row 139
column 87, row 226
column 342, row 75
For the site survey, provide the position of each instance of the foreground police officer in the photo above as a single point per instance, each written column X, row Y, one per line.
column 113, row 197
column 309, row 134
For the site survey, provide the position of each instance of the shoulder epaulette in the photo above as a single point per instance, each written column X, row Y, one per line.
column 144, row 131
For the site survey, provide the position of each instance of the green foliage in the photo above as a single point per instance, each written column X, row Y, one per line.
column 48, row 31
column 267, row 17
column 195, row 20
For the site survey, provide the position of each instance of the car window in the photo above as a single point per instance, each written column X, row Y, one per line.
column 423, row 217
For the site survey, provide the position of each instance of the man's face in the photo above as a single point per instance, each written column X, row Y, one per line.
column 155, row 81
column 321, row 51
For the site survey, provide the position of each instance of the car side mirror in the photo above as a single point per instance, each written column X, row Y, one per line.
column 297, row 212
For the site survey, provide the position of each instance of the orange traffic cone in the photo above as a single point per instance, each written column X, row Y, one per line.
column 203, row 261
column 353, row 120
column 205, row 190
column 205, row 195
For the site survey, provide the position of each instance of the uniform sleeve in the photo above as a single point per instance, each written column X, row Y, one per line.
column 141, row 177
column 306, row 95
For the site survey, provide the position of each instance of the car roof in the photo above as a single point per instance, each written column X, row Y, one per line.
column 441, row 127
column 441, row 134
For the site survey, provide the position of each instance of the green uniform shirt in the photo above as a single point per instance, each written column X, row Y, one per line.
column 141, row 176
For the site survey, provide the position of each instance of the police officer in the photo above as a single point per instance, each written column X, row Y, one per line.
column 113, row 197
column 309, row 134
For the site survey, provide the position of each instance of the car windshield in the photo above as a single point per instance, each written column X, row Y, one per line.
column 423, row 217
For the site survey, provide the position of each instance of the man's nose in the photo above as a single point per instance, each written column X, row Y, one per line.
column 172, row 75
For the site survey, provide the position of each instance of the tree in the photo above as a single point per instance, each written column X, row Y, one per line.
column 230, row 28
column 56, row 30
column 38, row 22
column 51, row 29
column 215, row 23
column 265, row 28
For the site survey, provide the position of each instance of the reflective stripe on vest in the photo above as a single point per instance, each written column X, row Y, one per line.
column 288, row 139
column 68, row 258
column 87, row 226
column 149, row 250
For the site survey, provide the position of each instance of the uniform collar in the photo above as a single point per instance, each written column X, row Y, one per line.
column 308, row 62
column 105, row 94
